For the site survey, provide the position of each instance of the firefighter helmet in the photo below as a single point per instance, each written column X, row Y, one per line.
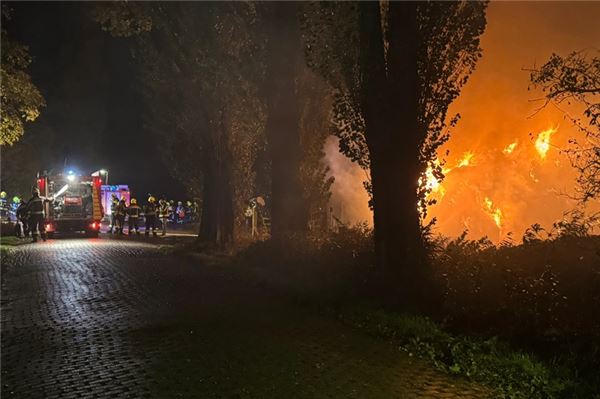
column 3, row 194
column 16, row 199
column 189, row 203
column 151, row 199
column 133, row 201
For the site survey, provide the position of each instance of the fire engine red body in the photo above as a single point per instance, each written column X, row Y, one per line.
column 72, row 203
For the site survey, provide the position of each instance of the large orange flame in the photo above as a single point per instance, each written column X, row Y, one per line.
column 516, row 168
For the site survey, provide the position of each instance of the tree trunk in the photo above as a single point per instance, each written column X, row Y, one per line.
column 284, row 56
column 217, row 221
column 389, row 102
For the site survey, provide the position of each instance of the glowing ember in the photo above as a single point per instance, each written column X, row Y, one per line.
column 510, row 148
column 542, row 143
column 493, row 211
column 466, row 159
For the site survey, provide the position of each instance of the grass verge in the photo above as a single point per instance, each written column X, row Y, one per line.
column 511, row 374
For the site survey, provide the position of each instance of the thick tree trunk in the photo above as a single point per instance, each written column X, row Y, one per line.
column 390, row 107
column 217, row 221
column 288, row 212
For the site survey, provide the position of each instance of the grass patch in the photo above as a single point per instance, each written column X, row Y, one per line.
column 510, row 373
column 9, row 242
column 12, row 241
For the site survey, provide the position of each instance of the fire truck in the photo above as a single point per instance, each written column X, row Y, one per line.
column 72, row 202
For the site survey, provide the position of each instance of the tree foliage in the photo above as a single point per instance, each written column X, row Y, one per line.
column 21, row 99
column 314, row 128
column 203, row 74
column 395, row 68
column 199, row 82
column 576, row 79
column 448, row 52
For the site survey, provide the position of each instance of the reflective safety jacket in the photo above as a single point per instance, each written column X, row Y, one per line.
column 121, row 209
column 134, row 211
column 35, row 206
column 150, row 209
column 163, row 210
column 22, row 211
column 114, row 203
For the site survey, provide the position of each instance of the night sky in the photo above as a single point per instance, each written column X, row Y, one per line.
column 94, row 112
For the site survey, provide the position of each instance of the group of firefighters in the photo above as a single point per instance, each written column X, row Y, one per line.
column 29, row 215
column 154, row 213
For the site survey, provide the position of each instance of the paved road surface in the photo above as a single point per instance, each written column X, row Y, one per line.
column 98, row 318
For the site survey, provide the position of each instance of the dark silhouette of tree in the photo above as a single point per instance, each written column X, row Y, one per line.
column 396, row 67
column 283, row 63
column 196, row 73
column 576, row 79
column 223, row 84
column 21, row 99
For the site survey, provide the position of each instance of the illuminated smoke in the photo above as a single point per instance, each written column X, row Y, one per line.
column 349, row 199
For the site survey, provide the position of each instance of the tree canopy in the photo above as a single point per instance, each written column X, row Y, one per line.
column 576, row 79
column 21, row 99
column 395, row 68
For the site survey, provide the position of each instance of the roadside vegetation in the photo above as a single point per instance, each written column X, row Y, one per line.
column 522, row 319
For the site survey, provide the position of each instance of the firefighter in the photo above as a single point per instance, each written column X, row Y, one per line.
column 188, row 212
column 180, row 213
column 121, row 211
column 172, row 211
column 114, row 202
column 134, row 211
column 22, row 225
column 163, row 215
column 195, row 212
column 150, row 216
column 35, row 208
column 248, row 214
column 3, row 205
column 16, row 202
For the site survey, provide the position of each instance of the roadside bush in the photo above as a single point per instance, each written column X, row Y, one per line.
column 325, row 268
column 540, row 288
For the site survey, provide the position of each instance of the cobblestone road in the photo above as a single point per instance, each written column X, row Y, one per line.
column 118, row 319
